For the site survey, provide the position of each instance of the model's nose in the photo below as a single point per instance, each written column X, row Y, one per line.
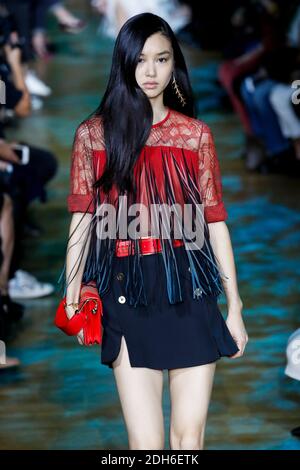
column 150, row 72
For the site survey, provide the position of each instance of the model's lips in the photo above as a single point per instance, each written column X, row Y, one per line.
column 150, row 84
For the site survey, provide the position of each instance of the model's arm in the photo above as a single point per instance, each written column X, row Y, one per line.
column 80, row 204
column 215, row 215
column 76, row 256
column 222, row 247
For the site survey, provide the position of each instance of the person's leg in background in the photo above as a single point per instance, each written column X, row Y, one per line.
column 7, row 237
column 28, row 183
column 13, row 311
column 267, row 139
column 21, row 23
column 247, row 89
column 255, row 149
column 281, row 101
column 41, row 168
column 66, row 20
column 232, row 70
column 16, row 191
column 7, row 313
column 273, row 138
column 39, row 38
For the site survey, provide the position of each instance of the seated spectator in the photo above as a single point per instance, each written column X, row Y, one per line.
column 234, row 70
column 15, row 28
column 23, row 182
column 116, row 12
column 263, row 95
column 281, row 96
column 29, row 22
column 281, row 100
column 250, row 80
column 12, row 310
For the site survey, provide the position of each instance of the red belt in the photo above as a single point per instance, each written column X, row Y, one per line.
column 147, row 246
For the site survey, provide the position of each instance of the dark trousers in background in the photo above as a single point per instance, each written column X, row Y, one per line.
column 25, row 184
column 27, row 15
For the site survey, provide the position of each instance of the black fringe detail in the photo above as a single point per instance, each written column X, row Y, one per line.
column 205, row 273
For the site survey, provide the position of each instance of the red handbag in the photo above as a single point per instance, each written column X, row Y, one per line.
column 88, row 316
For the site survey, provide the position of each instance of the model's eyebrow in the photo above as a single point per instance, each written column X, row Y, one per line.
column 159, row 53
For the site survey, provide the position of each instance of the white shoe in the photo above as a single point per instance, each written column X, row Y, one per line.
column 26, row 286
column 35, row 85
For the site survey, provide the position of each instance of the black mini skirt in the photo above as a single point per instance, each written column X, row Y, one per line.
column 163, row 335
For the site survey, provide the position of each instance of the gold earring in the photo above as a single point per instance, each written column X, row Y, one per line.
column 177, row 91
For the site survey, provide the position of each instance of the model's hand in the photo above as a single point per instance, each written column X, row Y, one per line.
column 70, row 311
column 238, row 331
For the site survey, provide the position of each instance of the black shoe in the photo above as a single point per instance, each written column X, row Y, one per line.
column 254, row 154
column 296, row 432
column 280, row 163
column 13, row 310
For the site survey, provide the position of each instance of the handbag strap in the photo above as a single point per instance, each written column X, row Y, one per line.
column 94, row 310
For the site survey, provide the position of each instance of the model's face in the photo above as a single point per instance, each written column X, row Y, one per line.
column 155, row 65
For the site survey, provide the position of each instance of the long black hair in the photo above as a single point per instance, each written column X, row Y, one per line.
column 125, row 109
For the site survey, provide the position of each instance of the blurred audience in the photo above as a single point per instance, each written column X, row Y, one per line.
column 10, row 312
column 25, row 169
column 116, row 12
column 259, row 81
column 66, row 20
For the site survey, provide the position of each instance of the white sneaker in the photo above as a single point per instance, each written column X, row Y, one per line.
column 26, row 286
column 35, row 85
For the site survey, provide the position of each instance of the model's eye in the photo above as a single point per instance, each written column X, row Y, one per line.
column 140, row 60
column 163, row 59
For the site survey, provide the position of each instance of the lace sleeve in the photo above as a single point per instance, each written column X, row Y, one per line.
column 210, row 178
column 80, row 198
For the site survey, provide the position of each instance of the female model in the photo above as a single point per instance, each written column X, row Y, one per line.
column 142, row 152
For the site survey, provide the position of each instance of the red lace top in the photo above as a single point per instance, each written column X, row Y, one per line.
column 177, row 134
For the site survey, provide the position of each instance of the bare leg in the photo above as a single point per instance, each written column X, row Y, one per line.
column 63, row 14
column 39, row 43
column 140, row 391
column 190, row 391
column 69, row 22
column 7, row 235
